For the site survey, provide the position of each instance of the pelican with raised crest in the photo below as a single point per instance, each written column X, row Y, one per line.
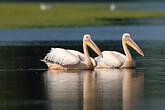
column 113, row 59
column 59, row 58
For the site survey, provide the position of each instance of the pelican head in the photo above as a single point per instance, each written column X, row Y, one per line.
column 88, row 41
column 127, row 39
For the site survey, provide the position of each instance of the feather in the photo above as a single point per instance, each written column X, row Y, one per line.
column 121, row 56
column 78, row 54
column 62, row 57
column 110, row 59
column 82, row 56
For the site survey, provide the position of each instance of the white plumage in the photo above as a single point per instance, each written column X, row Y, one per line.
column 44, row 7
column 66, row 57
column 111, row 59
column 81, row 56
column 59, row 58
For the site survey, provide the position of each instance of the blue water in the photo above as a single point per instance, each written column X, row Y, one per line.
column 142, row 6
column 144, row 32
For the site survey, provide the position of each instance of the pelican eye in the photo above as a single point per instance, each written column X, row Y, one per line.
column 127, row 36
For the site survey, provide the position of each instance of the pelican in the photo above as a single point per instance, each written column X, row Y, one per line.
column 44, row 7
column 113, row 59
column 59, row 58
column 112, row 7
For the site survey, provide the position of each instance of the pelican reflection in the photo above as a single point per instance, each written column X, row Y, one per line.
column 122, row 88
column 66, row 89
column 133, row 86
column 117, row 89
column 90, row 95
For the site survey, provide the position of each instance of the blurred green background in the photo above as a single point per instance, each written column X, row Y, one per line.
column 27, row 14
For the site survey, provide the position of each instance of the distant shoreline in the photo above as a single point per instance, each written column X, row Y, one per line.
column 34, row 15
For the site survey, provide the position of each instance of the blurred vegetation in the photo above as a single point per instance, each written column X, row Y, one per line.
column 26, row 15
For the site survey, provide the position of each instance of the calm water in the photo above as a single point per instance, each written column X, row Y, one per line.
column 142, row 6
column 25, row 82
column 138, row 32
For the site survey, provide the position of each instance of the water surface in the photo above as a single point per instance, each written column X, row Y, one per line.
column 25, row 82
column 138, row 32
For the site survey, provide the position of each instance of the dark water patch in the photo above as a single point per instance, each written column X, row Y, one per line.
column 26, row 82
column 143, row 6
column 134, row 21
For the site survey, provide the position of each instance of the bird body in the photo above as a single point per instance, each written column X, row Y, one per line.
column 112, row 7
column 44, row 7
column 113, row 59
column 59, row 58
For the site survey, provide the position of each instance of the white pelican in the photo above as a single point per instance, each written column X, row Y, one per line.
column 112, row 7
column 113, row 59
column 59, row 58
column 44, row 6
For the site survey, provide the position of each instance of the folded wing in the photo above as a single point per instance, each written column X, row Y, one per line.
column 82, row 56
column 112, row 59
column 62, row 57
